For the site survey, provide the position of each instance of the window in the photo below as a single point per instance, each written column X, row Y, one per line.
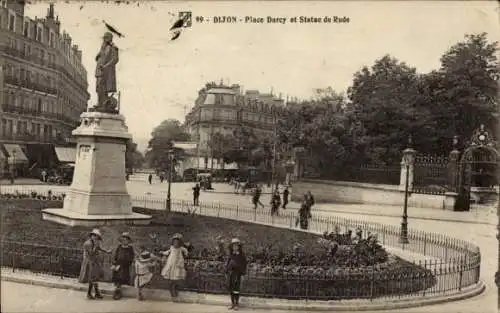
column 39, row 33
column 35, row 32
column 28, row 76
column 39, row 105
column 4, row 127
column 12, row 21
column 51, row 39
column 22, row 75
column 26, row 29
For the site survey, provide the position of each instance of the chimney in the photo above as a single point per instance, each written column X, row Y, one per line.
column 50, row 11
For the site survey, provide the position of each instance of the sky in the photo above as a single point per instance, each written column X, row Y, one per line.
column 159, row 78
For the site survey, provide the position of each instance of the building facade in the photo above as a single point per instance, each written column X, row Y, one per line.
column 43, row 84
column 222, row 109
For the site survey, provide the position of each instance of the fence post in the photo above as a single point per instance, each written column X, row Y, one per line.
column 372, row 282
column 425, row 243
column 62, row 266
column 237, row 209
column 461, row 274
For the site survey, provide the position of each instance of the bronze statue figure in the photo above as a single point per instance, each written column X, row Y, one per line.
column 105, row 74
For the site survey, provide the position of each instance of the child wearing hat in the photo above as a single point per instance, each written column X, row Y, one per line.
column 174, row 269
column 91, row 271
column 143, row 266
column 236, row 267
column 122, row 261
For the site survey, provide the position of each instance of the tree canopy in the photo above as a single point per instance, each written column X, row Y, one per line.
column 161, row 143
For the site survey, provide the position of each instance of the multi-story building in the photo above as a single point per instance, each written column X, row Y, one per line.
column 43, row 85
column 222, row 109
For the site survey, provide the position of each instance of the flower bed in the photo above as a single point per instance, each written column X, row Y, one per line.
column 283, row 263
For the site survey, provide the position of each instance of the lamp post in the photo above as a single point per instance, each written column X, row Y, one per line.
column 408, row 159
column 171, row 165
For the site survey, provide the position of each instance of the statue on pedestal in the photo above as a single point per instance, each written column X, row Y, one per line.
column 105, row 74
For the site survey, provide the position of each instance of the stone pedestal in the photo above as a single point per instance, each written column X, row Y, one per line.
column 98, row 194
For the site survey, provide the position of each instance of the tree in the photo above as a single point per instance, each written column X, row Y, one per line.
column 320, row 127
column 386, row 103
column 133, row 158
column 161, row 143
column 465, row 89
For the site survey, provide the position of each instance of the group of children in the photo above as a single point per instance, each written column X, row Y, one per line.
column 145, row 262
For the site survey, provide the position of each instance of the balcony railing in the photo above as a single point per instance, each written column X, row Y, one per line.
column 30, row 85
column 34, row 112
column 38, row 60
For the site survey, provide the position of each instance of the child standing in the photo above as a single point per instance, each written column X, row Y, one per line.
column 144, row 265
column 174, row 269
column 236, row 267
column 122, row 261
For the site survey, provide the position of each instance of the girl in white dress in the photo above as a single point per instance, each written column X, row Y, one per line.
column 174, row 269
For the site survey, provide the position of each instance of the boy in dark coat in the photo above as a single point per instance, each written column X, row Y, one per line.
column 236, row 267
column 122, row 261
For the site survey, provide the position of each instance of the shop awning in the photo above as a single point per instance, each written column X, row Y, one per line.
column 16, row 154
column 65, row 154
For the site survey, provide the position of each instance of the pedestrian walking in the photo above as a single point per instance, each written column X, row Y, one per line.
column 304, row 214
column 275, row 202
column 175, row 269
column 286, row 193
column 122, row 261
column 256, row 198
column 161, row 178
column 144, row 266
column 196, row 195
column 310, row 200
column 236, row 268
column 150, row 178
column 91, row 271
column 44, row 176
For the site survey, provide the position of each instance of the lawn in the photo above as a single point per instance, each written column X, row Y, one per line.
column 283, row 263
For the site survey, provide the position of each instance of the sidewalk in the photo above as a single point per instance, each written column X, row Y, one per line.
column 482, row 215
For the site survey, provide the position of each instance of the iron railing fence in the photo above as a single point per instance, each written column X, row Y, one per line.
column 433, row 277
column 365, row 173
column 448, row 264
column 431, row 175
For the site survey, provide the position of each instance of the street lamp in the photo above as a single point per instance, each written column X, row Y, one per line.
column 408, row 159
column 171, row 165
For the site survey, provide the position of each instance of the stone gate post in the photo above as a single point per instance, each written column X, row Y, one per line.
column 453, row 169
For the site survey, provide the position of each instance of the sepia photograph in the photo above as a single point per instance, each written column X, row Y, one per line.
column 254, row 156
